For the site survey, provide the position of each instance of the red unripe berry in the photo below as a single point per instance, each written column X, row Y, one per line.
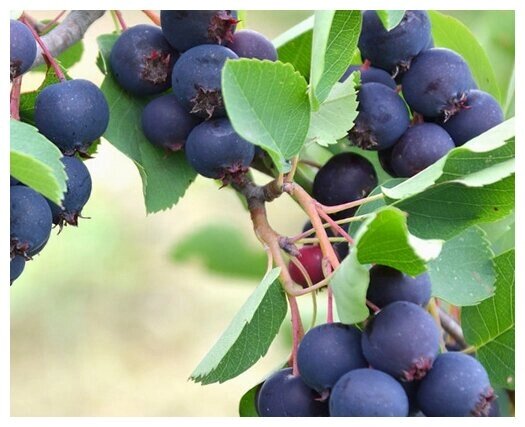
column 311, row 258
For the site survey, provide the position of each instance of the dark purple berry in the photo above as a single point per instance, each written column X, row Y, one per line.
column 166, row 124
column 388, row 285
column 197, row 80
column 17, row 267
column 327, row 352
column 346, row 177
column 368, row 393
column 385, row 160
column 437, row 83
column 14, row 181
column 393, row 50
column 22, row 48
column 72, row 114
column 31, row 221
column 185, row 29
column 370, row 75
column 141, row 60
column 216, row 151
column 286, row 395
column 251, row 44
column 480, row 113
column 382, row 119
column 77, row 193
column 420, row 146
column 311, row 258
column 401, row 340
column 457, row 386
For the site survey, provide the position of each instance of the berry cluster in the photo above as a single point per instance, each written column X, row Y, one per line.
column 187, row 54
column 71, row 114
column 447, row 108
column 391, row 368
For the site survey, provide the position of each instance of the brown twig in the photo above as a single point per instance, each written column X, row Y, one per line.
column 68, row 32
column 256, row 198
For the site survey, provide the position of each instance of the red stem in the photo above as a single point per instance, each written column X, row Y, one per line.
column 327, row 271
column 15, row 98
column 152, row 16
column 296, row 331
column 335, row 226
column 366, row 65
column 45, row 51
column 51, row 23
column 330, row 309
column 121, row 21
column 372, row 306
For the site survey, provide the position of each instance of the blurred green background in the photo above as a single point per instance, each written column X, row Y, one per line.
column 105, row 323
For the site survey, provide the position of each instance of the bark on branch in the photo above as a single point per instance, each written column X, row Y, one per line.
column 68, row 32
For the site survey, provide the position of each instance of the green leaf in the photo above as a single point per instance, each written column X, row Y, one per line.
column 334, row 43
column 474, row 183
column 390, row 18
column 223, row 249
column 463, row 274
column 506, row 241
column 500, row 233
column 247, row 404
column 375, row 205
column 295, row 46
column 384, row 239
column 35, row 161
column 336, row 114
column 268, row 105
column 349, row 285
column 490, row 326
column 451, row 33
column 105, row 44
column 248, row 336
column 165, row 176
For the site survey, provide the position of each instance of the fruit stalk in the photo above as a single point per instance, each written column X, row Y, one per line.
column 50, row 24
column 45, row 51
column 452, row 328
column 344, row 206
column 152, row 16
column 121, row 20
column 309, row 205
column 15, row 98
